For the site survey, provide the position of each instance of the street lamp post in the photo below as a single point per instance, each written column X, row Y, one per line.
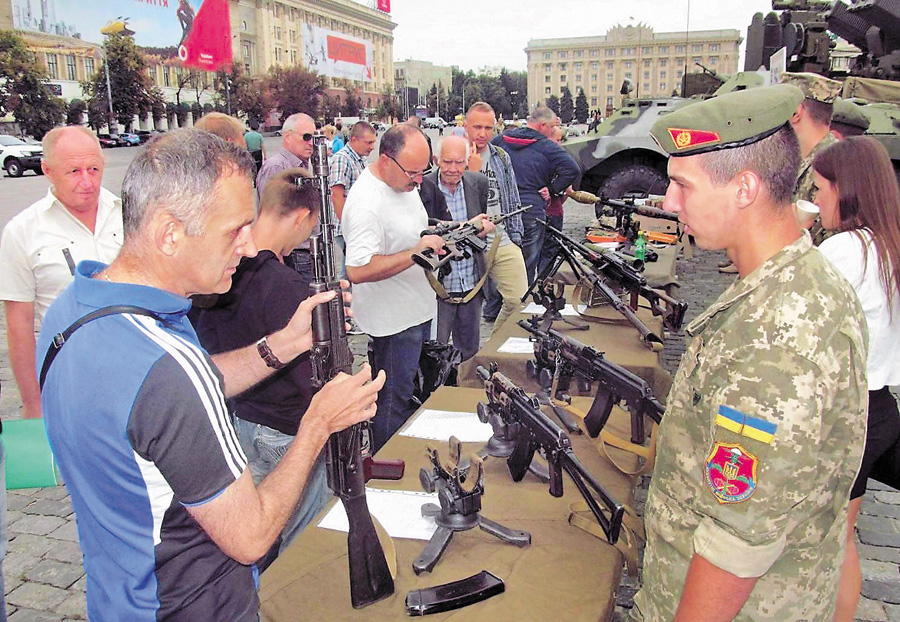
column 113, row 129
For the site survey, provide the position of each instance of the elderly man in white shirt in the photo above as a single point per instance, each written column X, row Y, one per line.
column 40, row 246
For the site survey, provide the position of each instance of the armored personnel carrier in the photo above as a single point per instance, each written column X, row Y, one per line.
column 621, row 159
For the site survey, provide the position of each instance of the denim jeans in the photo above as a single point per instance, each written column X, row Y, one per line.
column 550, row 245
column 398, row 355
column 301, row 262
column 264, row 448
column 532, row 241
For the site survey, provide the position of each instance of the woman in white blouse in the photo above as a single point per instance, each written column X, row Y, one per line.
column 858, row 198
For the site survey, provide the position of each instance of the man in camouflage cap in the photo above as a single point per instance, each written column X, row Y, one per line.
column 765, row 422
column 848, row 119
column 812, row 124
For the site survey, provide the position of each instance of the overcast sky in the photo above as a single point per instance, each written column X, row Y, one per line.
column 476, row 33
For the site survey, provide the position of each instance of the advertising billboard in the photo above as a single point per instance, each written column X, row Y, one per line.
column 199, row 31
column 337, row 55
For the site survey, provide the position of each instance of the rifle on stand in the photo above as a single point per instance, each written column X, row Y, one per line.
column 370, row 577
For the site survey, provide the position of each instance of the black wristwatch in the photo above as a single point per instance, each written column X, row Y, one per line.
column 262, row 346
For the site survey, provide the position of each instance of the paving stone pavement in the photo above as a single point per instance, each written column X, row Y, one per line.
column 45, row 580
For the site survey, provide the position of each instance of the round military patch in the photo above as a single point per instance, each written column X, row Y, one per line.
column 731, row 472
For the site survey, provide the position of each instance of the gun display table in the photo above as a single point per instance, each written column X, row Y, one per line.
column 565, row 573
column 617, row 339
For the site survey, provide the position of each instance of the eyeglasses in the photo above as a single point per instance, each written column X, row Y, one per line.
column 411, row 174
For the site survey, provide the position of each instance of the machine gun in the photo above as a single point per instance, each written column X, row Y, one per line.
column 510, row 409
column 623, row 211
column 370, row 577
column 603, row 266
column 460, row 240
column 560, row 359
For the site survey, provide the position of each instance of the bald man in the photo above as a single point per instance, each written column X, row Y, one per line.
column 40, row 247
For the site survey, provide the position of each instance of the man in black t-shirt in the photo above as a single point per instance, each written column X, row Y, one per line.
column 262, row 298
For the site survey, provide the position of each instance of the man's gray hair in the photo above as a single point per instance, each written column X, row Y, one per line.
column 292, row 121
column 440, row 147
column 776, row 159
column 177, row 173
column 541, row 114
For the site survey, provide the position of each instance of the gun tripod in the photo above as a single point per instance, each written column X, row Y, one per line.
column 460, row 507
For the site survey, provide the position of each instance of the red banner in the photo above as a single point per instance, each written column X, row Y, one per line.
column 347, row 51
column 207, row 45
column 384, row 5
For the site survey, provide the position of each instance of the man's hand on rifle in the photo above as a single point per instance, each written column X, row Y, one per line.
column 296, row 338
column 434, row 242
column 483, row 222
column 344, row 401
column 545, row 194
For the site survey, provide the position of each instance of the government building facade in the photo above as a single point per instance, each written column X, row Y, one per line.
column 652, row 62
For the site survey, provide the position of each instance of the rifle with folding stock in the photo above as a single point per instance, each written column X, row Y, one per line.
column 564, row 358
column 523, row 423
column 370, row 577
column 461, row 239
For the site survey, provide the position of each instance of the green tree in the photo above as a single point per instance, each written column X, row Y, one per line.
column 566, row 106
column 351, row 106
column 295, row 89
column 23, row 88
column 128, row 77
column 75, row 110
column 157, row 105
column 388, row 107
column 553, row 103
column 249, row 96
column 581, row 107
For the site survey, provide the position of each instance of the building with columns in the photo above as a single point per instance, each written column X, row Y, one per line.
column 653, row 62
column 264, row 33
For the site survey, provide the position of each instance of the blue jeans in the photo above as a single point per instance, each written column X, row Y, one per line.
column 398, row 355
column 550, row 245
column 532, row 242
column 264, row 448
column 301, row 262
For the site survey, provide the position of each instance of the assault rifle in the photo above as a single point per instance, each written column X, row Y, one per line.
column 460, row 240
column 562, row 358
column 608, row 266
column 519, row 417
column 370, row 577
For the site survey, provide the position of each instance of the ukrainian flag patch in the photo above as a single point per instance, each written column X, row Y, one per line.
column 751, row 427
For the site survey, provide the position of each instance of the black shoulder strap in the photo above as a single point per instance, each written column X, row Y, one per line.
column 59, row 340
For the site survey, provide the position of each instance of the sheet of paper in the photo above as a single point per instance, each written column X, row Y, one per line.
column 398, row 511
column 517, row 345
column 536, row 309
column 440, row 425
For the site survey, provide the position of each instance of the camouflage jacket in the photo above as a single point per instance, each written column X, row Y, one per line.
column 761, row 441
column 806, row 186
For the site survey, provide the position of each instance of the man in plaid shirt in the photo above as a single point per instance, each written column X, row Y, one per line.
column 467, row 195
column 345, row 167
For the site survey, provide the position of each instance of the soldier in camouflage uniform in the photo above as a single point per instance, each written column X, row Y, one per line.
column 765, row 423
column 812, row 123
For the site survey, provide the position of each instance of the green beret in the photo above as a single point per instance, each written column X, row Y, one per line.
column 726, row 121
column 848, row 113
column 814, row 86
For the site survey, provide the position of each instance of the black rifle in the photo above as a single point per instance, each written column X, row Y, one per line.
column 623, row 212
column 370, row 577
column 613, row 268
column 564, row 358
column 520, row 417
column 460, row 240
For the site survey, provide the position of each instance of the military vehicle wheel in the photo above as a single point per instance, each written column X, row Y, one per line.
column 635, row 180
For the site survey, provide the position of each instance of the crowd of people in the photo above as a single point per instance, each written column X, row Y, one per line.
column 182, row 413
